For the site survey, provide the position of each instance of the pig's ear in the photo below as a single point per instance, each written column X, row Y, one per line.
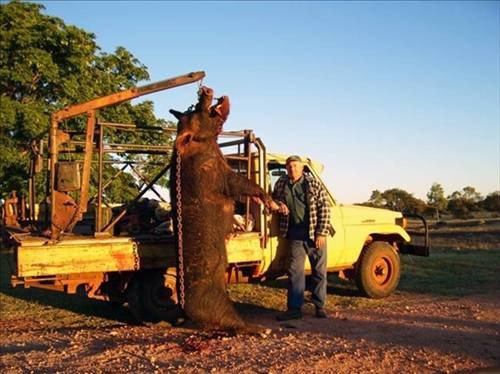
column 221, row 109
column 177, row 114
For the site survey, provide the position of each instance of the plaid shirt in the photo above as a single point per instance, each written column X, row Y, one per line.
column 317, row 203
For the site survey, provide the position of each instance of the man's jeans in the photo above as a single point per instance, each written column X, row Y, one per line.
column 296, row 276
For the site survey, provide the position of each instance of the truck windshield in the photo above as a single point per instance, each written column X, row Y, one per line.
column 277, row 170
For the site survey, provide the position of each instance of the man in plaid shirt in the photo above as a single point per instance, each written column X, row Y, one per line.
column 304, row 223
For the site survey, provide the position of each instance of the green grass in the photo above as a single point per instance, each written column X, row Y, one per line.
column 451, row 273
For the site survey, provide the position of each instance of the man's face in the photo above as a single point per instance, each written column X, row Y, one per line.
column 294, row 169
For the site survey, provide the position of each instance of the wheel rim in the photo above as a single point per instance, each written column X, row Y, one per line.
column 170, row 288
column 381, row 271
column 164, row 294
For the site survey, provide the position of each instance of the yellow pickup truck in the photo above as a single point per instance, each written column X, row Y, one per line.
column 366, row 244
column 127, row 254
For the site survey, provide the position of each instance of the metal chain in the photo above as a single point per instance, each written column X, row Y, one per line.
column 180, row 276
column 136, row 256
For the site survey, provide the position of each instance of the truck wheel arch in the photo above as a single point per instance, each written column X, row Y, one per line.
column 391, row 239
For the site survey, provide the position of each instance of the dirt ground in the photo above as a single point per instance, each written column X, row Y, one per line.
column 419, row 333
column 422, row 335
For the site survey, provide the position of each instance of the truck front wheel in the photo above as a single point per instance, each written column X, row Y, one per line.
column 378, row 270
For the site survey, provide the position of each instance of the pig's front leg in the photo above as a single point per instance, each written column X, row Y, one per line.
column 238, row 185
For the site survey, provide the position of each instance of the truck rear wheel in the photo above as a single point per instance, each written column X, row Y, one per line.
column 152, row 296
column 378, row 270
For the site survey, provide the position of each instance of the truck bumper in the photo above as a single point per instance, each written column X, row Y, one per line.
column 413, row 249
column 416, row 250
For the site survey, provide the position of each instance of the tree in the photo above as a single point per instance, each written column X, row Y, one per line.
column 492, row 202
column 462, row 203
column 470, row 194
column 396, row 199
column 400, row 200
column 46, row 65
column 436, row 198
column 376, row 199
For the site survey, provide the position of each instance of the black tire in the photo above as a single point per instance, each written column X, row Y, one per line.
column 378, row 270
column 133, row 298
column 152, row 296
column 159, row 295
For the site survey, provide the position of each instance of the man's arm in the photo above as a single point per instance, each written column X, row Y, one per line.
column 323, row 207
column 279, row 196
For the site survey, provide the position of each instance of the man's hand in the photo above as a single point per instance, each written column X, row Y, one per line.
column 273, row 206
column 320, row 241
column 283, row 209
column 268, row 203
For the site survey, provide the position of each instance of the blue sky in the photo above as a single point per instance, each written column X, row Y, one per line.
column 385, row 94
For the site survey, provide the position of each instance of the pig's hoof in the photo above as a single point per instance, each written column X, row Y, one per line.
column 255, row 330
column 264, row 334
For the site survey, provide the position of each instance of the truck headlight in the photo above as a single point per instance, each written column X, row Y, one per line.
column 402, row 221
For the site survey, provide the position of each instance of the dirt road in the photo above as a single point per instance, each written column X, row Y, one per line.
column 420, row 334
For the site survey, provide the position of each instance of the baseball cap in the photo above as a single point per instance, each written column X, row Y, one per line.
column 293, row 158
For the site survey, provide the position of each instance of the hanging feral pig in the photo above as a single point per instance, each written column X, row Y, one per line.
column 209, row 188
